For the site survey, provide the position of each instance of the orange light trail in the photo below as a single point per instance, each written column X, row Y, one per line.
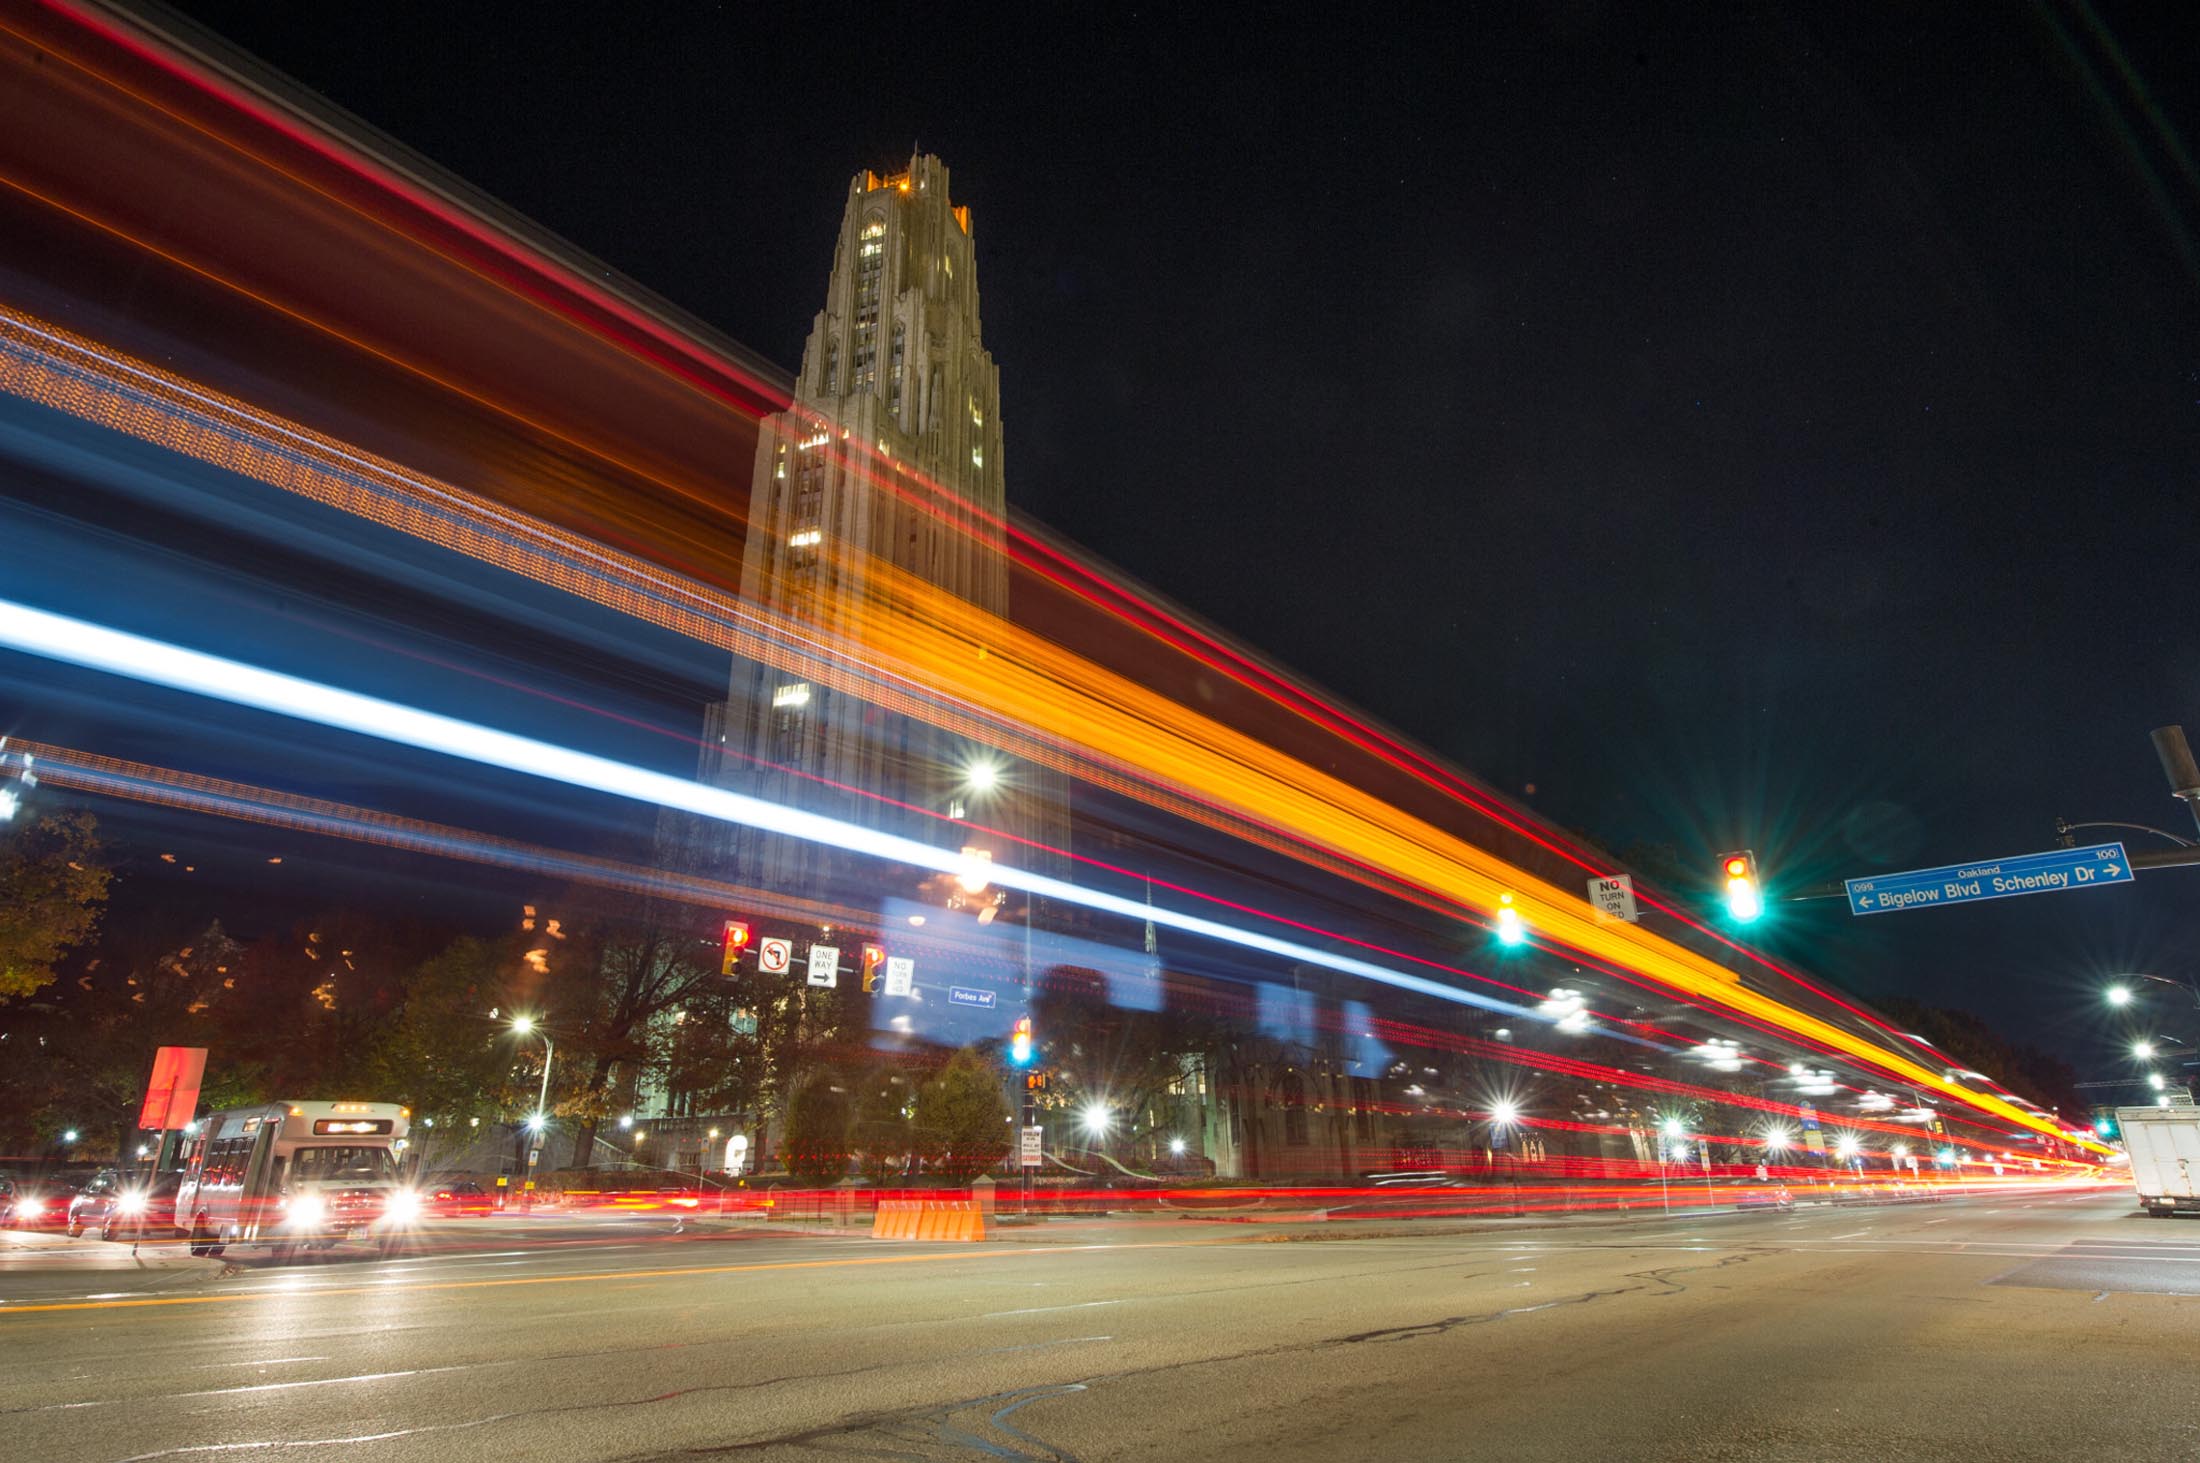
column 227, row 108
column 914, row 634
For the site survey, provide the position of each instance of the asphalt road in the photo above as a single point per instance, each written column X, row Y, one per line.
column 2053, row 1326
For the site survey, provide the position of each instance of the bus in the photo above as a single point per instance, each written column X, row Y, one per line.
column 294, row 1175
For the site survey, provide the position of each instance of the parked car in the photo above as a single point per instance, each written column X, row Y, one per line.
column 39, row 1203
column 88, row 1206
column 463, row 1199
column 144, row 1208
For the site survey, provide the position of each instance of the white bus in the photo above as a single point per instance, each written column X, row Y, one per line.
column 291, row 1174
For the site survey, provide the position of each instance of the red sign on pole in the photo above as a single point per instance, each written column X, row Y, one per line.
column 172, row 1097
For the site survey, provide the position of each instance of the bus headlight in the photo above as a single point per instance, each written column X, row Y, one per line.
column 403, row 1206
column 304, row 1211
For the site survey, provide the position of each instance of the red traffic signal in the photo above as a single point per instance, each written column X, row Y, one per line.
column 737, row 940
column 1745, row 897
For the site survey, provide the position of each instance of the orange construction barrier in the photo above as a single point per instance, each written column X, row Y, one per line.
column 932, row 1219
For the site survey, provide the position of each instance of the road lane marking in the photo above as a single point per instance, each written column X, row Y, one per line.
column 1082, row 1305
column 293, row 1293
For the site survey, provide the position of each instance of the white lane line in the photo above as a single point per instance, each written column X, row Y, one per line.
column 333, row 1381
column 1852, row 1234
column 1083, row 1305
column 270, row 1386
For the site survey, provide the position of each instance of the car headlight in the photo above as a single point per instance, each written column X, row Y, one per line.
column 31, row 1208
column 131, row 1203
column 304, row 1211
column 402, row 1207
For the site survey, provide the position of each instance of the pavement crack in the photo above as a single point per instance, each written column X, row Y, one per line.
column 1653, row 1282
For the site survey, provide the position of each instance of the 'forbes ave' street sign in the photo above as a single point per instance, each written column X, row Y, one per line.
column 2027, row 873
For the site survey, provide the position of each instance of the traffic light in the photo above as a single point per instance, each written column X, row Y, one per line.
column 1019, row 1045
column 874, row 960
column 737, row 940
column 1510, row 931
column 1035, row 1081
column 1745, row 898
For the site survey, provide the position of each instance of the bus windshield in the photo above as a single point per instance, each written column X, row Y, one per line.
column 335, row 1165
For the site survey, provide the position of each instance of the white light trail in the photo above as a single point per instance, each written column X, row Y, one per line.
column 117, row 652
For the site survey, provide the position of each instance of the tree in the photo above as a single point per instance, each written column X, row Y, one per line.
column 443, row 1055
column 90, row 1041
column 962, row 1116
column 52, row 887
column 818, row 1119
column 799, row 1029
column 2039, row 1075
column 883, row 1135
column 1129, row 1060
column 618, row 995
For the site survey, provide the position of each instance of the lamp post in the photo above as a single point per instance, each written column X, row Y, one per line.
column 2121, row 994
column 525, row 1026
column 1673, row 1131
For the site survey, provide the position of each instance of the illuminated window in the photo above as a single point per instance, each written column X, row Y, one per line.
column 796, row 694
column 977, row 417
column 808, row 538
column 977, row 457
column 870, row 263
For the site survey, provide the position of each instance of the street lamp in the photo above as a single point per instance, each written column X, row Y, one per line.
column 1176, row 1147
column 2142, row 1049
column 525, row 1026
column 1095, row 1119
column 2123, row 995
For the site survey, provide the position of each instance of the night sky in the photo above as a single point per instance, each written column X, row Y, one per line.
column 1776, row 427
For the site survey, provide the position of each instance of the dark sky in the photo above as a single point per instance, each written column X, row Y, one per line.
column 1774, row 426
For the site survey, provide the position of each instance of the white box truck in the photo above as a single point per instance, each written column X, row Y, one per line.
column 2164, row 1144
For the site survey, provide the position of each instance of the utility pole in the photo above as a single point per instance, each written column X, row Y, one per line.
column 2177, row 765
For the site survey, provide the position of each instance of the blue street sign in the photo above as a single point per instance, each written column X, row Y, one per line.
column 962, row 995
column 2026, row 873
